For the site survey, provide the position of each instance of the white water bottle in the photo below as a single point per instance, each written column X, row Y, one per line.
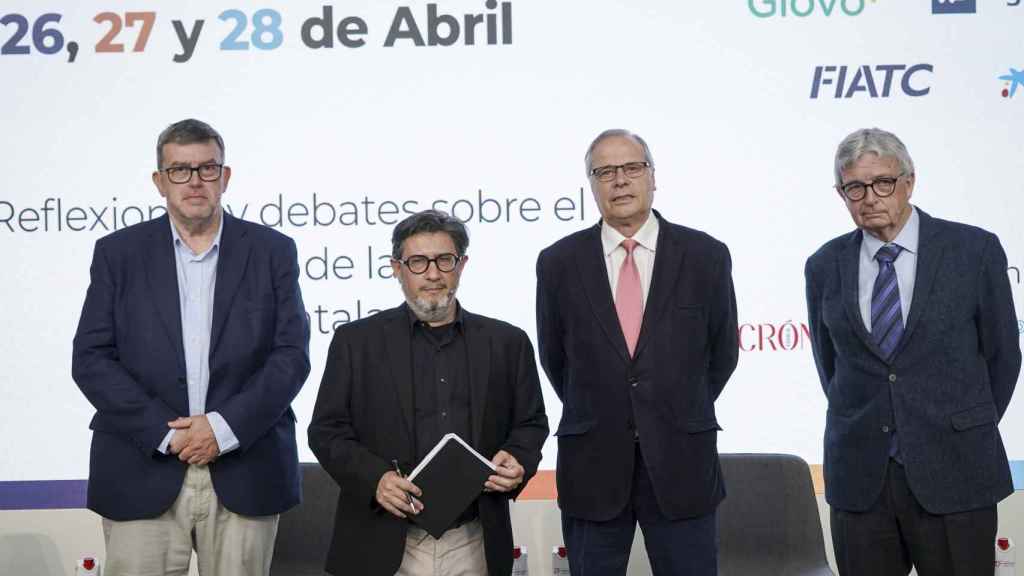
column 559, row 561
column 519, row 567
column 1006, row 557
column 88, row 566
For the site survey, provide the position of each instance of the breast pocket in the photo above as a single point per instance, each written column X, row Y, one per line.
column 688, row 327
column 695, row 311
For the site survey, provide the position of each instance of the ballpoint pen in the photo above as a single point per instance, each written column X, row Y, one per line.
column 402, row 476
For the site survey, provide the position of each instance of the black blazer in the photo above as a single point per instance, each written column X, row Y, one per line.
column 687, row 350
column 364, row 418
column 947, row 386
column 129, row 361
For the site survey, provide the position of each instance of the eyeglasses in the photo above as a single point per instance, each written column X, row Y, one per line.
column 883, row 187
column 630, row 169
column 418, row 263
column 182, row 174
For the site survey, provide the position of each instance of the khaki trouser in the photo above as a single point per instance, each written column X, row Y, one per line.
column 226, row 544
column 459, row 552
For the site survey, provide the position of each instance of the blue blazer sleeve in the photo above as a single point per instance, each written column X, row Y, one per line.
column 269, row 391
column 141, row 417
column 997, row 327
column 821, row 342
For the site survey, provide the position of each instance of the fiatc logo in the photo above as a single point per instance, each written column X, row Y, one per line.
column 878, row 81
column 1011, row 81
column 953, row 7
column 805, row 8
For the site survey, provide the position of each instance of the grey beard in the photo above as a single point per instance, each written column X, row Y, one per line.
column 428, row 311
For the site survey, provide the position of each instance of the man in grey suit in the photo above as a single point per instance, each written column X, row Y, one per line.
column 915, row 339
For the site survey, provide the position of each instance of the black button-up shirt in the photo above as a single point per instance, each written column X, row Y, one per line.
column 441, row 403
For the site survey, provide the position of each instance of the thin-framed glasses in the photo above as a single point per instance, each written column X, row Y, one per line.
column 883, row 187
column 630, row 169
column 182, row 174
column 418, row 263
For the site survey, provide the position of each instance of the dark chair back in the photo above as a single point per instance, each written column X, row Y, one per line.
column 304, row 532
column 768, row 523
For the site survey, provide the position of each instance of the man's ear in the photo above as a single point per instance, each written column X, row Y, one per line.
column 156, row 182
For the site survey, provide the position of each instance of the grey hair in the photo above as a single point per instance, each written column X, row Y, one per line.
column 611, row 134
column 429, row 221
column 188, row 131
column 871, row 141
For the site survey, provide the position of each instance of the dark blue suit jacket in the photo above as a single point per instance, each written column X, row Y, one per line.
column 946, row 387
column 129, row 362
column 687, row 350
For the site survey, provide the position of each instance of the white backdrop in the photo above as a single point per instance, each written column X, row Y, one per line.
column 720, row 90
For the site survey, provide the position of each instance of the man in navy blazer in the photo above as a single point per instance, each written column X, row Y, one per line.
column 192, row 343
column 915, row 339
column 636, row 324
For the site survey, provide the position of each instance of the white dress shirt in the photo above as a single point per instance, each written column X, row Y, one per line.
column 643, row 254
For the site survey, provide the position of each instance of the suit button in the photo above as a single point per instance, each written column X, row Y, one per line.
column 892, row 377
column 885, row 428
column 633, row 381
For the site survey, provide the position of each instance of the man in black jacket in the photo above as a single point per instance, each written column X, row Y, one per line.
column 394, row 384
column 636, row 325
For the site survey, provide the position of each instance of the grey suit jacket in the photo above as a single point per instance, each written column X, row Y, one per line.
column 946, row 387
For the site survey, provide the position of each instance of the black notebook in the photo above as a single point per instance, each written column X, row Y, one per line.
column 451, row 476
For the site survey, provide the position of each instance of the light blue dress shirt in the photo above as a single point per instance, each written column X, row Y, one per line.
column 197, row 280
column 905, row 265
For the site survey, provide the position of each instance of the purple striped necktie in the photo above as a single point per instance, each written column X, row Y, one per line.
column 886, row 314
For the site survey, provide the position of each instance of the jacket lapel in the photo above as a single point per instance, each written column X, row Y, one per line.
column 669, row 255
column 478, row 345
column 929, row 255
column 232, row 259
column 849, row 273
column 162, row 276
column 593, row 274
column 398, row 344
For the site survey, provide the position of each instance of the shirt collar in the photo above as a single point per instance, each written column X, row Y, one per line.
column 179, row 243
column 907, row 239
column 646, row 236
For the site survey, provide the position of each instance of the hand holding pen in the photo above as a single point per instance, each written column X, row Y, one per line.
column 395, row 493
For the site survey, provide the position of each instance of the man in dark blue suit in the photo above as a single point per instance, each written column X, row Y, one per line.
column 636, row 324
column 192, row 343
column 915, row 339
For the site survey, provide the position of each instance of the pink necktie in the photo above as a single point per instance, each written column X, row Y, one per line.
column 628, row 297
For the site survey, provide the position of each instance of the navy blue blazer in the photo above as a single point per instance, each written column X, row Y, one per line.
column 687, row 350
column 946, row 387
column 129, row 362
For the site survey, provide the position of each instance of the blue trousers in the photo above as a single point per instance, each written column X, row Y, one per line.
column 687, row 547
